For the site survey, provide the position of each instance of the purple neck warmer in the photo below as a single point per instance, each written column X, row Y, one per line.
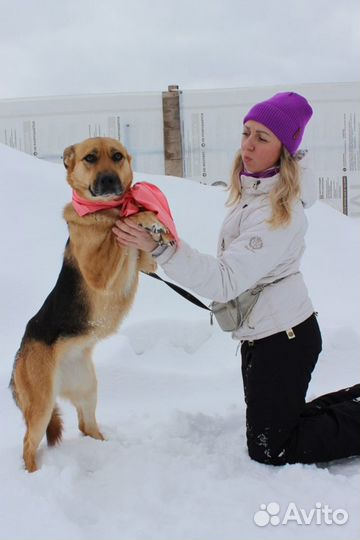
column 268, row 173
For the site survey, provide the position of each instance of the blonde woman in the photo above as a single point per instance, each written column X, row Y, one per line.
column 261, row 242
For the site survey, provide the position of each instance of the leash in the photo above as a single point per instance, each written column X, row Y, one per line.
column 179, row 290
column 191, row 298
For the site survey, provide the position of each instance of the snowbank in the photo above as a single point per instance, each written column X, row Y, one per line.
column 170, row 393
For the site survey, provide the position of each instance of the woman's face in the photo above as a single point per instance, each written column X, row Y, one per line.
column 260, row 148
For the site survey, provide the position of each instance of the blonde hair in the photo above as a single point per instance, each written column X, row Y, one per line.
column 282, row 196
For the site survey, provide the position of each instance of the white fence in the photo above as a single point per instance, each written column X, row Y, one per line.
column 211, row 131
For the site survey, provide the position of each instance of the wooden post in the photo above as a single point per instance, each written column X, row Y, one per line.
column 173, row 153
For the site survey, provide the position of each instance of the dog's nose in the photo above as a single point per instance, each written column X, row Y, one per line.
column 108, row 183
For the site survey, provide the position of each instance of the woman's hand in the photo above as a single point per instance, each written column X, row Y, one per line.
column 128, row 233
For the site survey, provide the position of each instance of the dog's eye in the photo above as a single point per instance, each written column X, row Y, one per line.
column 117, row 156
column 90, row 158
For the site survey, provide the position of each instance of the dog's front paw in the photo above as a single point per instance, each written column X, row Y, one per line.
column 149, row 222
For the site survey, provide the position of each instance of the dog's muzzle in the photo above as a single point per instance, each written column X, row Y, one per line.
column 106, row 183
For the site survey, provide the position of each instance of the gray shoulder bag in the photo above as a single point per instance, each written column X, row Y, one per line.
column 232, row 315
column 229, row 315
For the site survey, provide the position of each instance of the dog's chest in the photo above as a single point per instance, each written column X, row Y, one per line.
column 127, row 278
column 108, row 307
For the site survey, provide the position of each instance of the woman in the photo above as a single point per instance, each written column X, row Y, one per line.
column 262, row 242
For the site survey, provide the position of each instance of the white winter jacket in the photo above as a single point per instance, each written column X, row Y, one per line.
column 249, row 253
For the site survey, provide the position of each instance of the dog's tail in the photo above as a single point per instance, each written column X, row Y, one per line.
column 55, row 428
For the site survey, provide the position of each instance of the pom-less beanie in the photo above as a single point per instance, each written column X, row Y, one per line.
column 286, row 115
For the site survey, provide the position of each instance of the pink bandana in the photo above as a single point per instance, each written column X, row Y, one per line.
column 139, row 197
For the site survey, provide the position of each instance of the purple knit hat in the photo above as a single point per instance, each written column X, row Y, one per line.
column 286, row 115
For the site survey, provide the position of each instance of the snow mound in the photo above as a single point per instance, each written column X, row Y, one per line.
column 170, row 392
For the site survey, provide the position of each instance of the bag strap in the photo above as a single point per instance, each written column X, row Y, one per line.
column 262, row 286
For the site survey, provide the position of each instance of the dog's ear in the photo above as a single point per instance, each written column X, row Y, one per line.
column 69, row 157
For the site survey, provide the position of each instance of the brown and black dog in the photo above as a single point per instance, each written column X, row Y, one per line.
column 93, row 293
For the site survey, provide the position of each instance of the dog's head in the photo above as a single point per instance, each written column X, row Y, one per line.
column 98, row 168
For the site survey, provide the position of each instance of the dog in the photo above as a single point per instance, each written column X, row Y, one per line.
column 94, row 291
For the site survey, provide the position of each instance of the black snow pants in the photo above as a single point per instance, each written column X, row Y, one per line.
column 280, row 426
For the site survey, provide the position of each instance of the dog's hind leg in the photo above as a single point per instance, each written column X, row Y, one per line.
column 85, row 402
column 37, row 419
column 34, row 394
column 80, row 387
column 85, row 408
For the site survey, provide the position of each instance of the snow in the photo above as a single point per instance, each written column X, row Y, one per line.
column 170, row 402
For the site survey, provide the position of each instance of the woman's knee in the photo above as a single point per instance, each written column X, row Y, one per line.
column 263, row 453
